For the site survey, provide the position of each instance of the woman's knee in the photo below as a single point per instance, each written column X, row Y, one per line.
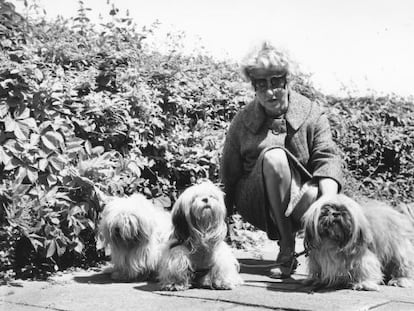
column 275, row 162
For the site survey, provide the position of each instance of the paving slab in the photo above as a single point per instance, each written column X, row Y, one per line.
column 94, row 290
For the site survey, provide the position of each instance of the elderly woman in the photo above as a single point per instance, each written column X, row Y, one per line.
column 278, row 157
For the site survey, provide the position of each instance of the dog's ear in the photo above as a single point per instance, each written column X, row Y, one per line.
column 309, row 237
column 310, row 222
column 362, row 234
column 181, row 229
column 365, row 236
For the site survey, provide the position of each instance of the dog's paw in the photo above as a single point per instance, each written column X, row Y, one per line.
column 401, row 282
column 175, row 287
column 229, row 283
column 366, row 285
column 223, row 285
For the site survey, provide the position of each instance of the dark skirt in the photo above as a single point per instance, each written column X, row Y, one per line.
column 251, row 199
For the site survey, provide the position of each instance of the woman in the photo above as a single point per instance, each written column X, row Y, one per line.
column 278, row 157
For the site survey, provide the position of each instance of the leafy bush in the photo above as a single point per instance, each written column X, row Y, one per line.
column 86, row 113
column 375, row 135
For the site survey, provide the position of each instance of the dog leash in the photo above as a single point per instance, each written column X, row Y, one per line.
column 295, row 255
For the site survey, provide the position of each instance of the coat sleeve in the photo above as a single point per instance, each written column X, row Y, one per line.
column 231, row 167
column 324, row 157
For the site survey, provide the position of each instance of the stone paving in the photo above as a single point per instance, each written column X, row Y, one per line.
column 93, row 290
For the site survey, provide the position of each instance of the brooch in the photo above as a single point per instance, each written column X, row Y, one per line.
column 278, row 126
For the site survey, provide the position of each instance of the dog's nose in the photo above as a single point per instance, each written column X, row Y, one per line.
column 336, row 214
column 204, row 200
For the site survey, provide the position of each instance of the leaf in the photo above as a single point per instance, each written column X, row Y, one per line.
column 162, row 201
column 21, row 132
column 61, row 247
column 74, row 146
column 75, row 210
column 57, row 87
column 4, row 109
column 35, row 242
column 21, row 174
column 4, row 157
column 55, row 138
column 79, row 247
column 51, row 249
column 9, row 124
column 12, row 164
column 54, row 220
column 57, row 162
column 22, row 113
column 38, row 75
column 51, row 179
column 50, row 144
column 134, row 168
column 88, row 147
column 98, row 150
column 34, row 139
column 21, row 190
column 42, row 164
column 30, row 123
column 32, row 174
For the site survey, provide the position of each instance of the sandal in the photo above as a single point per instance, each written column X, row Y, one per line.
column 284, row 269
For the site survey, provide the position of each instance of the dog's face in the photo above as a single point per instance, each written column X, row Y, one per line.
column 199, row 210
column 335, row 223
column 127, row 223
column 128, row 230
column 337, row 219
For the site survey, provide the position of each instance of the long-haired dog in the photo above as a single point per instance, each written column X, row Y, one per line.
column 358, row 246
column 136, row 232
column 197, row 254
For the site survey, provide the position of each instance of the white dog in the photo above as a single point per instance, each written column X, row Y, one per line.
column 358, row 246
column 135, row 231
column 197, row 254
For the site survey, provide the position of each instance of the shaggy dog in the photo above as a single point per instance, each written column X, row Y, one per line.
column 358, row 246
column 197, row 254
column 135, row 231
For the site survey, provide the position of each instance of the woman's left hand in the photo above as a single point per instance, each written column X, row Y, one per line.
column 328, row 186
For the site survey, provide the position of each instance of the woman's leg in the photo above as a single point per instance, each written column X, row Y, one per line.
column 278, row 177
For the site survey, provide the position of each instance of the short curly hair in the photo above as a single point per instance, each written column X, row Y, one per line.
column 265, row 57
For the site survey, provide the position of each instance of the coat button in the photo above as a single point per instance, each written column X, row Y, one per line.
column 278, row 126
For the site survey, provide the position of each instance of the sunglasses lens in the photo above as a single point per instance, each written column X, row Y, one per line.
column 275, row 82
column 278, row 82
column 261, row 84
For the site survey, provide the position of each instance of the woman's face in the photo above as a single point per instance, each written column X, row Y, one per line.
column 271, row 91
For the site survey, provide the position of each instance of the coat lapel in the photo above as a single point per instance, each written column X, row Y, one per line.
column 298, row 111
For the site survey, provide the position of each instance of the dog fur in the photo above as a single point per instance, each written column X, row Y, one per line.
column 196, row 254
column 135, row 231
column 358, row 246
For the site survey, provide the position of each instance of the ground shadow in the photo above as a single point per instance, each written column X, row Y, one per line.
column 148, row 287
column 262, row 268
column 292, row 285
column 97, row 278
column 256, row 266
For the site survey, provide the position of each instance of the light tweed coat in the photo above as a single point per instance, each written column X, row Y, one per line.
column 308, row 142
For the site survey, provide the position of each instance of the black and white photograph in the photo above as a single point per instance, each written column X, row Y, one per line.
column 207, row 155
